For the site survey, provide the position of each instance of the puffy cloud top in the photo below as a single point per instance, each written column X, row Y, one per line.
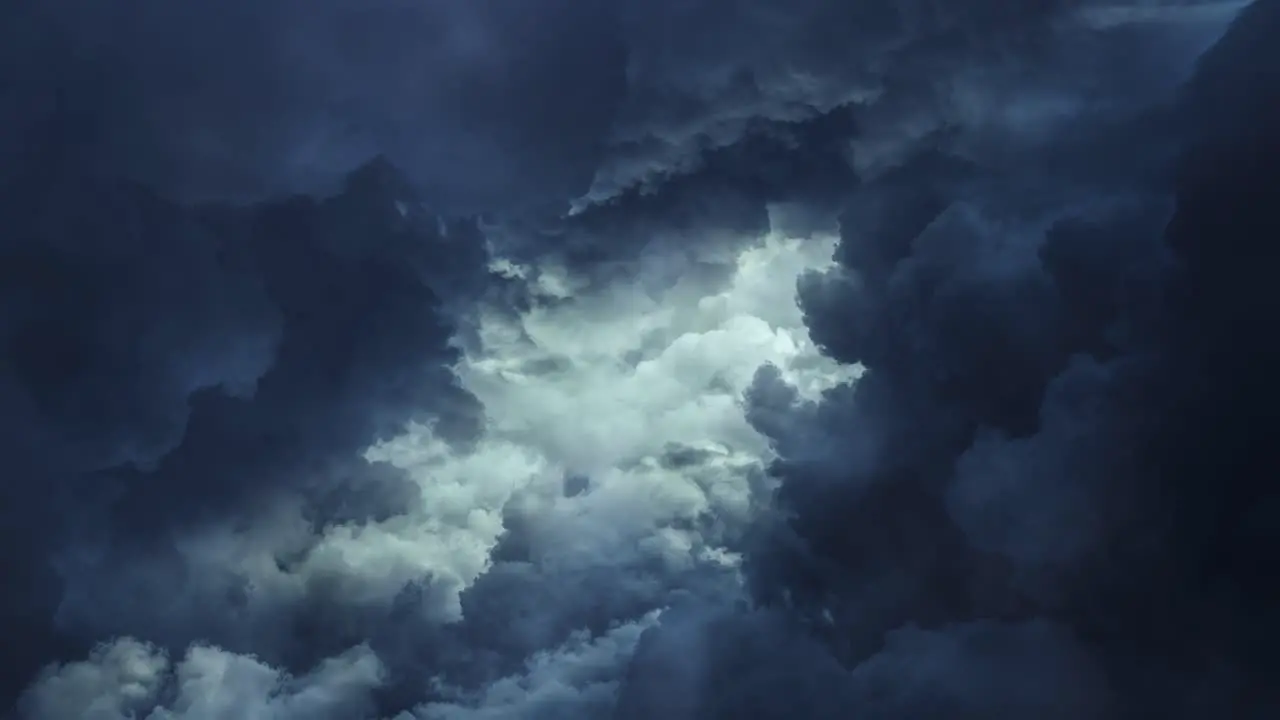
column 447, row 360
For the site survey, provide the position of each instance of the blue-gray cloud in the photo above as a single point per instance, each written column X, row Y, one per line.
column 245, row 242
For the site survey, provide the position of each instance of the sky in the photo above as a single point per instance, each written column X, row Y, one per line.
column 663, row 360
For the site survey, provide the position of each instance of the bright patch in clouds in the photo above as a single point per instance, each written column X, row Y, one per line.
column 616, row 441
column 616, row 446
column 629, row 399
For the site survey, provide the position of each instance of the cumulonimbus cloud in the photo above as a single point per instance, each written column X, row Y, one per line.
column 807, row 359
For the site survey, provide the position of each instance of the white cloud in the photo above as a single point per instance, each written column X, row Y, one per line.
column 112, row 683
column 638, row 390
column 128, row 679
column 603, row 386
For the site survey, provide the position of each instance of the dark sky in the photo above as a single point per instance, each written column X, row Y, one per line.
column 662, row 360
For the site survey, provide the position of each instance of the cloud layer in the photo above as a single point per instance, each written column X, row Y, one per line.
column 443, row 360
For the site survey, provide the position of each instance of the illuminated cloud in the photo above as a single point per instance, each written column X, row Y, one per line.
column 675, row 359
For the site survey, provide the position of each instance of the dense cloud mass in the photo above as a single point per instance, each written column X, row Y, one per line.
column 246, row 98
column 443, row 360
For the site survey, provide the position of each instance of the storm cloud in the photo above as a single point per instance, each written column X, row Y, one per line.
column 441, row 360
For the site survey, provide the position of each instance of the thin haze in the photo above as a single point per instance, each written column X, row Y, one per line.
column 665, row 360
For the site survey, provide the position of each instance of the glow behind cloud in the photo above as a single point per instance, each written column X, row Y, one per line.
column 602, row 387
column 634, row 395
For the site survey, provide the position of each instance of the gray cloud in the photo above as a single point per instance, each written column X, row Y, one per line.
column 170, row 368
column 244, row 99
column 361, row 454
column 1005, row 454
column 126, row 677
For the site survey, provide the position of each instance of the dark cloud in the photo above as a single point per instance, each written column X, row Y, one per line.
column 176, row 370
column 238, row 253
column 473, row 99
column 763, row 667
column 172, row 368
column 1045, row 494
column 695, row 220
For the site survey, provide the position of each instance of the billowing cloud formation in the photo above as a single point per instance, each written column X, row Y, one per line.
column 1000, row 477
column 807, row 360
column 126, row 676
column 170, row 368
